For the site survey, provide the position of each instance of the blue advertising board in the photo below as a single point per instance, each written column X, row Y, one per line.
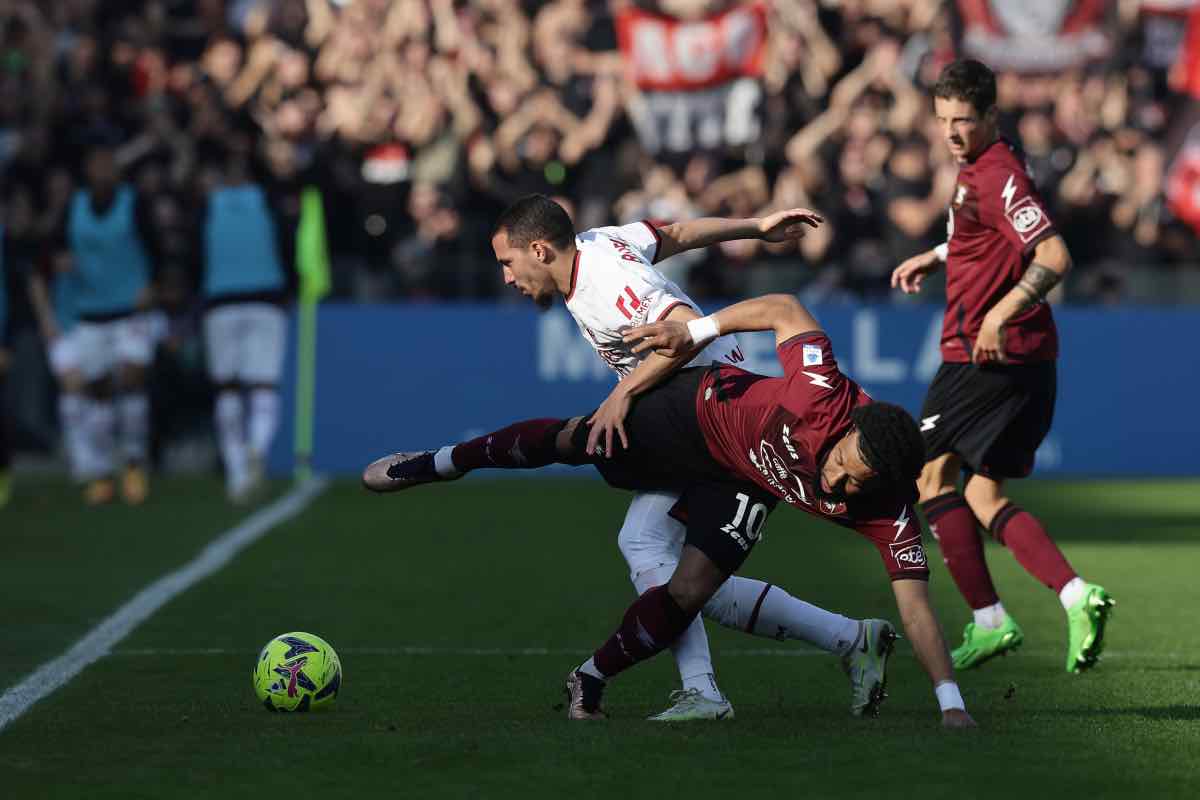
column 405, row 377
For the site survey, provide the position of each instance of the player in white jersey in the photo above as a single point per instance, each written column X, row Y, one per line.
column 608, row 281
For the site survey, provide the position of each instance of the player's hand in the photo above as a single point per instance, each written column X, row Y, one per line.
column 609, row 417
column 989, row 345
column 670, row 338
column 908, row 276
column 957, row 718
column 784, row 225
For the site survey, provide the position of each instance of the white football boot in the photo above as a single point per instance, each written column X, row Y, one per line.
column 691, row 704
column 866, row 666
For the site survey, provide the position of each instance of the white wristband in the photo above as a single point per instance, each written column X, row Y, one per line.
column 942, row 251
column 703, row 330
column 948, row 696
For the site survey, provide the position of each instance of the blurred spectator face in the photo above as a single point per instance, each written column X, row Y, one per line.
column 965, row 130
column 1036, row 132
column 422, row 201
column 853, row 166
column 540, row 144
column 222, row 60
column 526, row 268
column 101, row 170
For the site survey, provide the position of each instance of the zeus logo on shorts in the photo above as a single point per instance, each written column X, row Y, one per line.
column 909, row 554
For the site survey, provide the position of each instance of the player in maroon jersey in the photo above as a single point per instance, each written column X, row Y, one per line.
column 733, row 444
column 992, row 401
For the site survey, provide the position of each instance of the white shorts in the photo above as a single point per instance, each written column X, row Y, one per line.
column 102, row 346
column 64, row 353
column 245, row 342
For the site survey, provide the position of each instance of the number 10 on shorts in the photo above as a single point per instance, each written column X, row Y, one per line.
column 754, row 522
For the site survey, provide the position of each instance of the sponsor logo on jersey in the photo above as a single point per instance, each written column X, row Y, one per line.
column 777, row 474
column 786, row 436
column 627, row 252
column 960, row 195
column 909, row 554
column 812, row 355
column 1027, row 219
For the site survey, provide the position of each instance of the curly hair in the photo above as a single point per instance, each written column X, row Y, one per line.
column 891, row 444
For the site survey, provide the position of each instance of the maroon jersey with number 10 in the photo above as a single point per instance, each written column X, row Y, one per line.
column 776, row 432
column 996, row 219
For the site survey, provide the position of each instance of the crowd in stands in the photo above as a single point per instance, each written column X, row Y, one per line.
column 420, row 119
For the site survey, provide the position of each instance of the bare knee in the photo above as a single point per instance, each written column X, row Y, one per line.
column 986, row 497
column 939, row 476
column 695, row 581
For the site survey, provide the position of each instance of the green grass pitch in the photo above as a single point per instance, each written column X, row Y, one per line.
column 431, row 596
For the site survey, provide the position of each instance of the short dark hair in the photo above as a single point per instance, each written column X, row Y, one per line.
column 891, row 444
column 968, row 80
column 536, row 216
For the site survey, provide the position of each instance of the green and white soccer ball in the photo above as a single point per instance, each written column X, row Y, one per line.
column 297, row 672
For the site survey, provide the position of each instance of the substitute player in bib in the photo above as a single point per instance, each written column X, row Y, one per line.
column 246, row 283
column 607, row 280
column 733, row 444
column 110, row 237
column 992, row 401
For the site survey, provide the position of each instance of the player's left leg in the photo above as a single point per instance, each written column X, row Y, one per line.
column 135, row 344
column 725, row 521
column 650, row 540
column 261, row 368
column 1088, row 605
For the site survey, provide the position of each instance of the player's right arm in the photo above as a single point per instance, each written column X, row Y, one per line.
column 908, row 276
column 39, row 298
column 781, row 313
column 653, row 370
column 922, row 629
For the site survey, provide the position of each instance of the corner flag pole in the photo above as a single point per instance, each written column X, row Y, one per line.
column 312, row 265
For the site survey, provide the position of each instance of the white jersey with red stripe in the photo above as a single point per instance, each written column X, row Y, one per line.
column 614, row 287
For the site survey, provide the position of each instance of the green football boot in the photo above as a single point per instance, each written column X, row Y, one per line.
column 981, row 644
column 1085, row 628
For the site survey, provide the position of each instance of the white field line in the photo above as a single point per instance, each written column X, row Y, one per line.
column 798, row 651
column 99, row 642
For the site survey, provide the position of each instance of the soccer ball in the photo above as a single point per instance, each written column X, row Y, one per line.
column 297, row 672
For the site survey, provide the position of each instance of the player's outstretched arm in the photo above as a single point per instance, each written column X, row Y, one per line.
column 908, row 276
column 695, row 233
column 1051, row 261
column 609, row 418
column 922, row 629
column 781, row 313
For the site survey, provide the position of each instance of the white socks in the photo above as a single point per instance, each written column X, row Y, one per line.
column 1072, row 593
column 990, row 616
column 264, row 420
column 134, row 411
column 99, row 434
column 444, row 464
column 231, row 438
column 691, row 652
column 779, row 615
column 72, row 408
